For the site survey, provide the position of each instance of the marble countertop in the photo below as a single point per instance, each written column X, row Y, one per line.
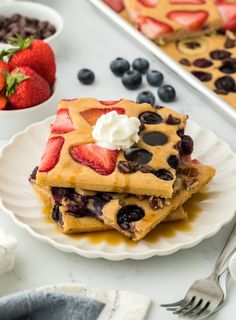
column 90, row 41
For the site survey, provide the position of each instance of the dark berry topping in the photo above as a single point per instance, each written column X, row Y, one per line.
column 32, row 177
column 229, row 43
column 155, row 138
column 56, row 212
column 173, row 161
column 119, row 66
column 140, row 65
column 202, row 76
column 166, row 93
column 59, row 193
column 220, row 54
column 146, row 97
column 172, row 120
column 164, row 174
column 138, row 155
column 180, row 132
column 186, row 145
column 155, row 78
column 228, row 66
column 129, row 214
column 86, row 76
column 132, row 79
column 148, row 117
column 202, row 63
column 226, row 83
column 185, row 62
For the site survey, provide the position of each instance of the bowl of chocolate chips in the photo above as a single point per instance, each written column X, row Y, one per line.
column 30, row 19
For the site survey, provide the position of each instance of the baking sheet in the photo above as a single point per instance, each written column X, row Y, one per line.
column 219, row 104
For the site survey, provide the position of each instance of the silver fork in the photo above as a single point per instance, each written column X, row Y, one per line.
column 205, row 296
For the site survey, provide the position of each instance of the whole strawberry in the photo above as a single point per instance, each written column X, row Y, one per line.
column 35, row 54
column 26, row 88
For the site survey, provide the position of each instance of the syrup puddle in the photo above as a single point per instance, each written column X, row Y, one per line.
column 165, row 230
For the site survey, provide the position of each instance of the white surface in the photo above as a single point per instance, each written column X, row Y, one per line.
column 89, row 41
column 8, row 245
column 118, row 304
column 20, row 201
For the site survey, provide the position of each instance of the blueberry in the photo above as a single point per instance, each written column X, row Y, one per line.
column 186, row 145
column 140, row 65
column 146, row 96
column 32, row 177
column 119, row 66
column 86, row 76
column 226, row 83
column 155, row 78
column 56, row 212
column 166, row 93
column 129, row 214
column 132, row 79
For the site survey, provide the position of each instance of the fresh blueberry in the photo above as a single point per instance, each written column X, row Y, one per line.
column 119, row 66
column 140, row 65
column 129, row 214
column 132, row 79
column 166, row 93
column 146, row 96
column 155, row 78
column 86, row 76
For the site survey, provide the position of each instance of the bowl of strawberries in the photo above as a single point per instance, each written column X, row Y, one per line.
column 27, row 84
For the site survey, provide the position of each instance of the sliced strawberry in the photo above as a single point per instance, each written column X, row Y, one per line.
column 4, row 67
column 51, row 154
column 149, row 3
column 228, row 14
column 109, row 102
column 101, row 160
column 153, row 28
column 188, row 160
column 187, row 1
column 193, row 20
column 91, row 115
column 116, row 5
column 63, row 123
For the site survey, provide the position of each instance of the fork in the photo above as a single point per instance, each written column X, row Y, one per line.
column 205, row 296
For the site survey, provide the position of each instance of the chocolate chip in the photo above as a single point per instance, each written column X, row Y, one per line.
column 148, row 117
column 220, row 54
column 155, row 138
column 229, row 43
column 172, row 120
column 228, row 66
column 185, row 145
column 185, row 62
column 138, row 155
column 202, row 63
column 202, row 76
column 129, row 214
column 173, row 161
column 226, row 83
column 164, row 174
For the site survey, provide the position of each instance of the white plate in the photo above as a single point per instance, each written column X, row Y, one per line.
column 23, row 153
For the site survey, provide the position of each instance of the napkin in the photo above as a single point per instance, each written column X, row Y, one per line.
column 232, row 266
column 39, row 305
column 119, row 305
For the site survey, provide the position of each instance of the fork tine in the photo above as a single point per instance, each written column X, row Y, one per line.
column 193, row 310
column 204, row 309
column 176, row 304
column 185, row 307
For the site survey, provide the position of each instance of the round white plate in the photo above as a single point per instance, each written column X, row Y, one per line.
column 23, row 153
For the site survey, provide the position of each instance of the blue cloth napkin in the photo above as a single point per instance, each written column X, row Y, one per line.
column 37, row 305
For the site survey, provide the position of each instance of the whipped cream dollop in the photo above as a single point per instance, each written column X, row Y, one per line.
column 116, row 131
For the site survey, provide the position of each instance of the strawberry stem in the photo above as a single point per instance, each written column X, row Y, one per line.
column 18, row 44
column 12, row 80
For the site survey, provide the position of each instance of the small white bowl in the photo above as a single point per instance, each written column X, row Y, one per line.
column 38, row 11
column 13, row 121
